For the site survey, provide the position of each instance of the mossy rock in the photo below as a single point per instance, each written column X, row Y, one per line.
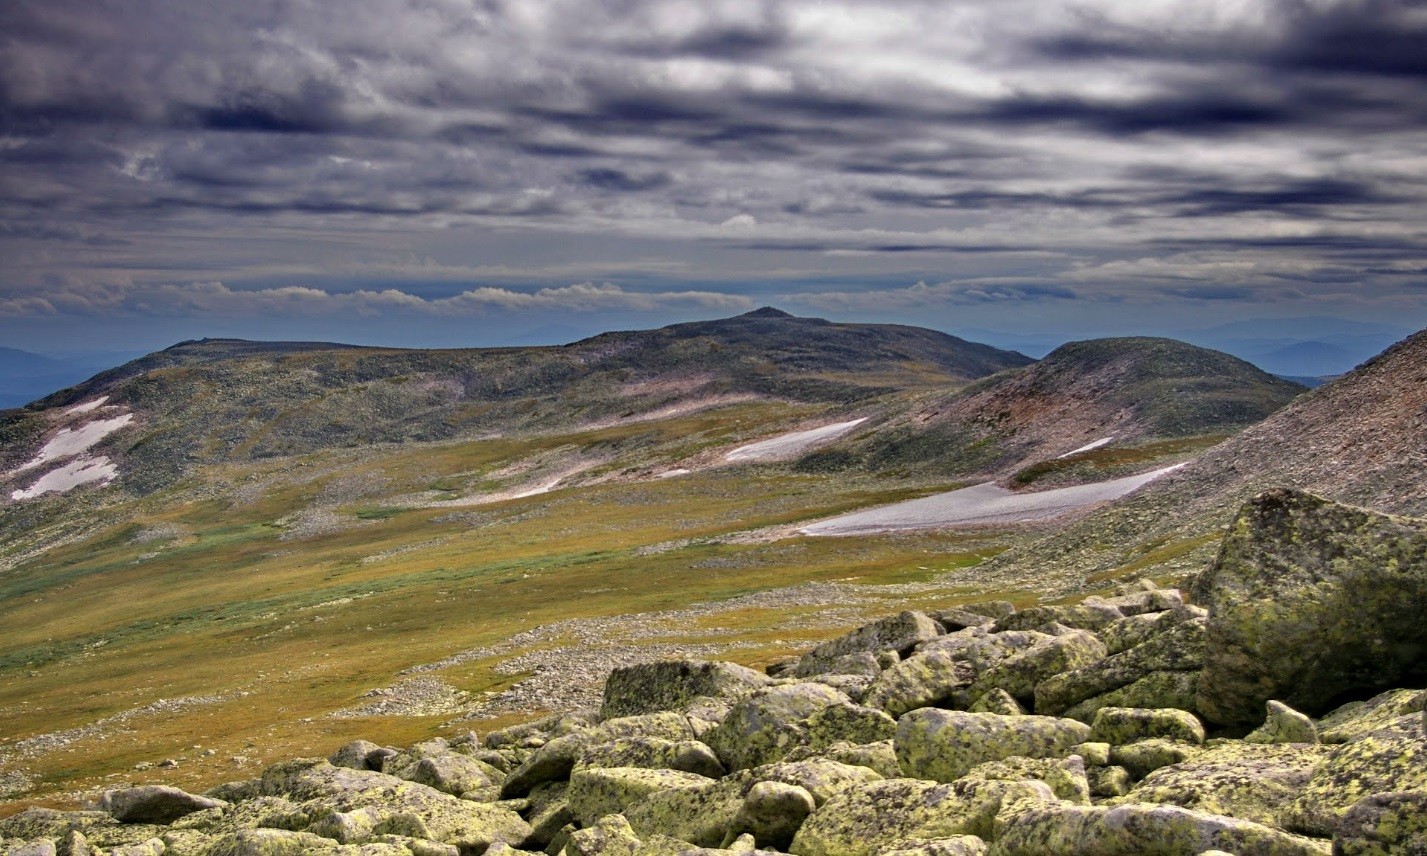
column 1138, row 830
column 1019, row 673
column 1390, row 759
column 1178, row 649
column 868, row 819
column 1283, row 724
column 597, row 791
column 769, row 723
column 901, row 632
column 673, row 685
column 1120, row 725
column 1384, row 825
column 1065, row 777
column 1174, row 690
column 922, row 680
column 944, row 745
column 653, row 753
column 1359, row 718
column 1145, row 756
column 1256, row 782
column 1309, row 601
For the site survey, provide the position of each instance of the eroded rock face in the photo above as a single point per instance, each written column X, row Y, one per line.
column 1311, row 600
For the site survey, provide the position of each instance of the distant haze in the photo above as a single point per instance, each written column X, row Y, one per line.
column 465, row 174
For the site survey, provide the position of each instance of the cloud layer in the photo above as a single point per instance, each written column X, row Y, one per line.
column 314, row 157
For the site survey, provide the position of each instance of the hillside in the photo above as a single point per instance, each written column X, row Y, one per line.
column 1361, row 439
column 220, row 400
column 1114, row 394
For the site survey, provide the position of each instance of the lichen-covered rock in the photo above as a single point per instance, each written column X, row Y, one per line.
column 1082, row 616
column 705, row 816
column 1283, row 724
column 772, row 813
column 1178, row 649
column 39, row 847
column 597, row 791
column 943, row 745
column 956, row 845
column 1390, row 759
column 994, row 609
column 1142, row 601
column 610, row 836
column 537, row 733
column 842, row 722
column 765, row 726
column 1109, row 781
column 1257, row 782
column 1019, row 673
column 673, row 685
column 1136, row 830
column 997, row 701
column 1146, row 756
column 360, row 755
column 555, row 759
column 1120, row 725
column 1309, row 600
column 922, row 680
column 1384, row 825
column 865, row 820
column 398, row 807
column 953, row 620
column 1176, row 690
column 1065, row 777
column 153, row 804
column 654, row 753
column 981, row 649
column 1358, row 718
column 899, row 632
column 1094, row 754
column 1138, row 629
column 862, row 664
column 880, row 756
column 459, row 775
column 271, row 842
column 549, row 811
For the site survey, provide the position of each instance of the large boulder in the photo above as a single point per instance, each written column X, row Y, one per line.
column 1393, row 758
column 768, row 724
column 153, row 804
column 1384, row 825
column 1309, row 601
column 871, row 819
column 901, row 633
column 555, row 759
column 921, row 680
column 673, row 685
column 1178, row 649
column 1137, row 830
column 944, row 745
column 1254, row 782
column 1019, row 673
column 597, row 791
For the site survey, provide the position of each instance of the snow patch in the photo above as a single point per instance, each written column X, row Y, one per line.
column 1087, row 447
column 71, row 475
column 87, row 406
column 669, row 474
column 74, row 441
column 791, row 444
column 980, row 505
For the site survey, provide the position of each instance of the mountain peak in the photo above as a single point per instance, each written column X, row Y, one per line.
column 766, row 312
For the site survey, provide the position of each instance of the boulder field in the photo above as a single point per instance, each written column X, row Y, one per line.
column 1266, row 716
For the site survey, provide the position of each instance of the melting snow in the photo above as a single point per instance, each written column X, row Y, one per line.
column 72, row 474
column 87, row 406
column 73, row 441
column 982, row 504
column 789, row 444
column 1087, row 447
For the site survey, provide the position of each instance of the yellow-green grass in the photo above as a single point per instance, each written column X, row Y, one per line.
column 1106, row 462
column 287, row 631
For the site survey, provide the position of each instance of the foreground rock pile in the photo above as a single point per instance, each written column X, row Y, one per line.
column 1118, row 725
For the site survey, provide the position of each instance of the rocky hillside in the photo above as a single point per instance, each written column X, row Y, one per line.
column 1361, row 439
column 226, row 400
column 1117, row 726
column 1105, row 393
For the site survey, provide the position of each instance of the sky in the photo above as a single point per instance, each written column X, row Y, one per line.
column 472, row 172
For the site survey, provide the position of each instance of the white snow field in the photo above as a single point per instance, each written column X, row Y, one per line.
column 71, row 475
column 73, row 441
column 982, row 504
column 1087, row 447
column 87, row 406
column 791, row 444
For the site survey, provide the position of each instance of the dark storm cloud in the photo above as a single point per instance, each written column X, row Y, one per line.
column 843, row 135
